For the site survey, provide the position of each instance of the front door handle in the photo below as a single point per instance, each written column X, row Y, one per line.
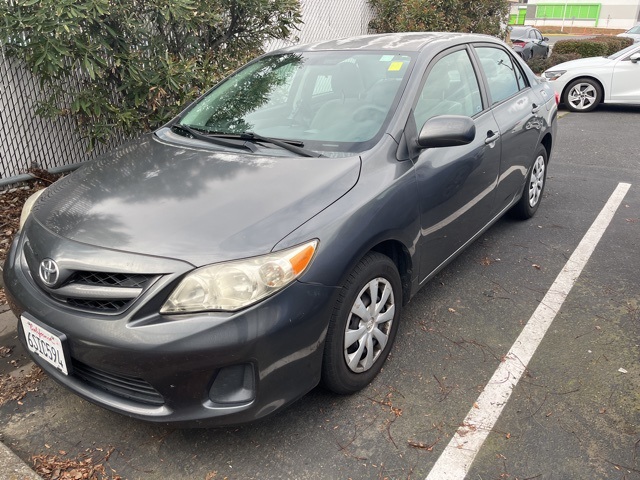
column 535, row 108
column 492, row 137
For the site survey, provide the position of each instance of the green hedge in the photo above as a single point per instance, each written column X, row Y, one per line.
column 614, row 44
column 592, row 47
column 584, row 48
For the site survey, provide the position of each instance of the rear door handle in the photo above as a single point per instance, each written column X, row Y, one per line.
column 535, row 108
column 492, row 137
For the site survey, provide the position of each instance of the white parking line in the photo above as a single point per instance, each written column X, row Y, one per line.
column 455, row 461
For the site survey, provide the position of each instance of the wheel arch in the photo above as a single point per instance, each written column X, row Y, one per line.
column 547, row 143
column 400, row 256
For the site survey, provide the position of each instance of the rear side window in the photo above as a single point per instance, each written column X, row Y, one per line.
column 451, row 88
column 505, row 79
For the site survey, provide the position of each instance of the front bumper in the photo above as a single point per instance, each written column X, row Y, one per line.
column 278, row 342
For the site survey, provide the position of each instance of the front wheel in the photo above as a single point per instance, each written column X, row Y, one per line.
column 363, row 325
column 582, row 95
column 532, row 194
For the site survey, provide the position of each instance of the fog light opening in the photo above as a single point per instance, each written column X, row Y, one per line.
column 233, row 385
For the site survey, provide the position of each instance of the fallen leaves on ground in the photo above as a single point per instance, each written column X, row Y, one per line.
column 83, row 467
column 423, row 446
column 15, row 388
column 486, row 261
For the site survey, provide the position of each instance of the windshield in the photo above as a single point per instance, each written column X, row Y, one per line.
column 518, row 32
column 330, row 101
column 635, row 30
column 623, row 52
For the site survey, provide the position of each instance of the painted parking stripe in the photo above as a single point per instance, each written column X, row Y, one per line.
column 455, row 461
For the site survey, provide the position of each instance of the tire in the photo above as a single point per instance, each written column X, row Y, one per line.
column 534, row 188
column 582, row 95
column 352, row 361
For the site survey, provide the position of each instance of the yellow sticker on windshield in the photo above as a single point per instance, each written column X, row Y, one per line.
column 395, row 66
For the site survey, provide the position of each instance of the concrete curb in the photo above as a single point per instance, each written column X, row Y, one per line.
column 13, row 468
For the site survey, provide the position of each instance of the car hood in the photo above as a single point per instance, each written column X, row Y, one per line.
column 590, row 62
column 183, row 199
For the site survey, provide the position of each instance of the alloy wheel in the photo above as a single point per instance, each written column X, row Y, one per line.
column 582, row 96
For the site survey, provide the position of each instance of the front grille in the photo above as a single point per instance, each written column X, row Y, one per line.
column 89, row 289
column 101, row 292
column 110, row 279
column 107, row 306
column 124, row 386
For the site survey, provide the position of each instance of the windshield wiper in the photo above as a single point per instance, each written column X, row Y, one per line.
column 290, row 145
column 196, row 134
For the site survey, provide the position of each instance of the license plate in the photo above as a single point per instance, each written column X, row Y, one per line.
column 44, row 343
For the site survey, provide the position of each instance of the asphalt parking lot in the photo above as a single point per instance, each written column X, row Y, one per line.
column 574, row 414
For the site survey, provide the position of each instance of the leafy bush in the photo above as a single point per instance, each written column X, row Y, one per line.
column 478, row 16
column 127, row 66
column 593, row 47
column 613, row 44
column 584, row 48
column 539, row 65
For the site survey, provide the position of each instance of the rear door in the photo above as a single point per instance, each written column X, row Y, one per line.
column 517, row 111
column 455, row 184
column 534, row 43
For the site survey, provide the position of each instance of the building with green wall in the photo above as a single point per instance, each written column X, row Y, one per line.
column 618, row 14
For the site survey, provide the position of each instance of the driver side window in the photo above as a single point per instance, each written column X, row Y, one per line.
column 451, row 88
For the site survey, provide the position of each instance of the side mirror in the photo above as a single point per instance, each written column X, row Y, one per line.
column 545, row 39
column 447, row 131
column 635, row 57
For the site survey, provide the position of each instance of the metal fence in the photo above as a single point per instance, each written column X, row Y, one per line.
column 29, row 140
column 328, row 19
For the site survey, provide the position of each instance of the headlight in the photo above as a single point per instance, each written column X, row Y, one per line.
column 554, row 74
column 231, row 286
column 28, row 205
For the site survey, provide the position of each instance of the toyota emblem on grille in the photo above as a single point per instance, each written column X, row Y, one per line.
column 49, row 272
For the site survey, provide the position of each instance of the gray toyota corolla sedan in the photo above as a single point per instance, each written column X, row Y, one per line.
column 266, row 239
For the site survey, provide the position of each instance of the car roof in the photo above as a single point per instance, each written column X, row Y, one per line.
column 408, row 42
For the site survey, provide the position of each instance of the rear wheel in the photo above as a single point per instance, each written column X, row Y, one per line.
column 582, row 95
column 536, row 179
column 363, row 325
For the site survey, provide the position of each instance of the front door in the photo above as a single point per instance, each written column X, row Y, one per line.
column 456, row 185
column 625, row 82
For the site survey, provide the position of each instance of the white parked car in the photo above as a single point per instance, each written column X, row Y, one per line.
column 584, row 83
column 632, row 33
